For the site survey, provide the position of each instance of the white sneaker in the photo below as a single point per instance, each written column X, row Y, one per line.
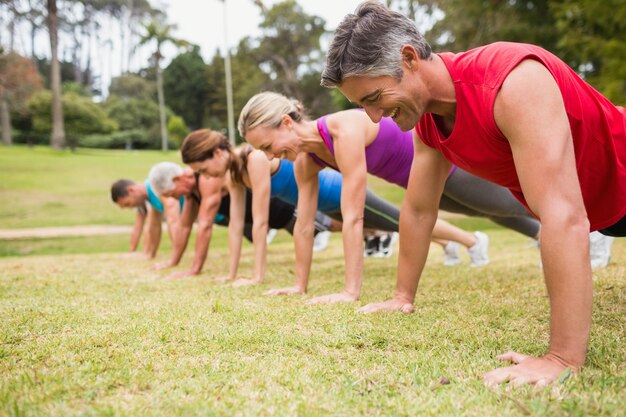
column 271, row 233
column 320, row 242
column 479, row 252
column 600, row 249
column 386, row 244
column 452, row 255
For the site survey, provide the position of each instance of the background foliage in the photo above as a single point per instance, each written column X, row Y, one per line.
column 287, row 57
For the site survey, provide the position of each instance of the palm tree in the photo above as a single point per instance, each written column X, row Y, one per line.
column 57, row 140
column 160, row 34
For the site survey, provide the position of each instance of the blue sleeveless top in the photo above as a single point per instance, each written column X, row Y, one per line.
column 154, row 201
column 284, row 186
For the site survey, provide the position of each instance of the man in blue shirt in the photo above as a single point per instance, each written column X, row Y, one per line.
column 151, row 208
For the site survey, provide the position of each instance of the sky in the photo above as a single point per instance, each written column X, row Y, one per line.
column 198, row 21
column 202, row 21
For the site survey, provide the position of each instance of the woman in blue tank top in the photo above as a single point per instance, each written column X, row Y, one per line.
column 209, row 153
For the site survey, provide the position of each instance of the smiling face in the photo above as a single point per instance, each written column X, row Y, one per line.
column 183, row 185
column 384, row 97
column 213, row 167
column 404, row 99
column 280, row 142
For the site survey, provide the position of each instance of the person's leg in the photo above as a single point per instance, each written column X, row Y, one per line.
column 473, row 196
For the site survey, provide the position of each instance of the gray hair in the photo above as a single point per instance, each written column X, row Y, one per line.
column 368, row 43
column 267, row 109
column 161, row 176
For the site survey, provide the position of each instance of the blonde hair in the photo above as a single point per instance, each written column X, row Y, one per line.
column 267, row 109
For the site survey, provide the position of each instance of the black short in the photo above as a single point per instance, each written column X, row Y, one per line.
column 617, row 230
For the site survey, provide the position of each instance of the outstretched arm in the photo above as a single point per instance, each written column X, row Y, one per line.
column 235, row 226
column 304, row 230
column 210, row 192
column 417, row 219
column 259, row 174
column 152, row 237
column 349, row 142
column 171, row 209
column 529, row 111
column 135, row 235
column 190, row 211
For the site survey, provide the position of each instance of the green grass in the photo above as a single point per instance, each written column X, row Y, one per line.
column 86, row 332
column 85, row 335
column 42, row 187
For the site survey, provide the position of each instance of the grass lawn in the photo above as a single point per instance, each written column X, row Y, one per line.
column 100, row 335
column 86, row 332
column 42, row 187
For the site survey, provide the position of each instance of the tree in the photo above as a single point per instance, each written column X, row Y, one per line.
column 592, row 41
column 82, row 115
column 185, row 84
column 19, row 79
column 160, row 34
column 128, row 86
column 57, row 139
column 290, row 45
column 470, row 23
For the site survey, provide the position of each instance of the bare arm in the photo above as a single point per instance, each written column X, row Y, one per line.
column 152, row 237
column 210, row 192
column 259, row 173
column 235, row 226
column 190, row 211
column 417, row 219
column 304, row 230
column 349, row 142
column 135, row 235
column 529, row 111
column 171, row 209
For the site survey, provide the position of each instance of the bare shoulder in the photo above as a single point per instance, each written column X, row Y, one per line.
column 257, row 155
column 353, row 123
column 528, row 78
column 210, row 185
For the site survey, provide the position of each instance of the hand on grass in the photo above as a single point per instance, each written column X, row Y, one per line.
column 223, row 278
column 340, row 297
column 162, row 265
column 527, row 370
column 242, row 282
column 136, row 255
column 395, row 304
column 285, row 291
column 180, row 274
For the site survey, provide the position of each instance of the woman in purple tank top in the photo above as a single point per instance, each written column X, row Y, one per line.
column 276, row 125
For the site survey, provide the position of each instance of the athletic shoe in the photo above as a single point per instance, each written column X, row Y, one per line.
column 371, row 246
column 271, row 233
column 386, row 244
column 479, row 252
column 452, row 255
column 320, row 242
column 600, row 249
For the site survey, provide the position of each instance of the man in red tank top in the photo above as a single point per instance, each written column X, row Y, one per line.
column 513, row 114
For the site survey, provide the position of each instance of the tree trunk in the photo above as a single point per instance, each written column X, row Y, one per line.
column 161, row 102
column 5, row 120
column 57, row 140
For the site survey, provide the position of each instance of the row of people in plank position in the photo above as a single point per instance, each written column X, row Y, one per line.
column 476, row 133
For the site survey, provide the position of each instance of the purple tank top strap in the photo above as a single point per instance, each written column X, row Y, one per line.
column 452, row 170
column 328, row 141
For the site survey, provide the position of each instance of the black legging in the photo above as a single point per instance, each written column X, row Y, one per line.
column 468, row 194
column 379, row 214
column 281, row 216
column 463, row 193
